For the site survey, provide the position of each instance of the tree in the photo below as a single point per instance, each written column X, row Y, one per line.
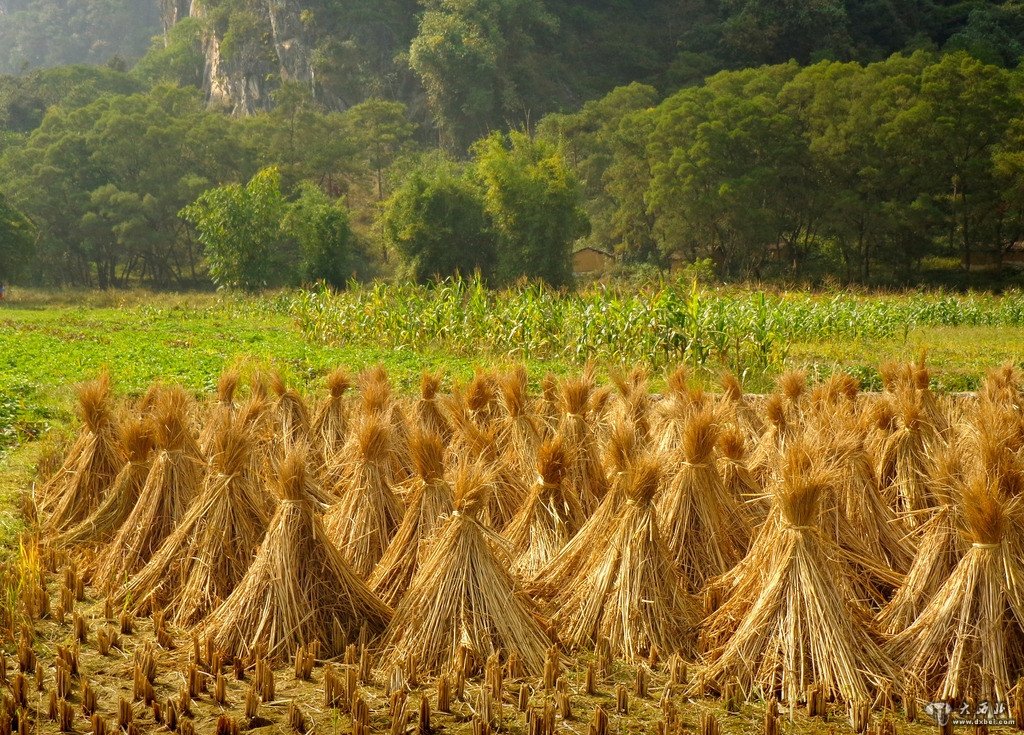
column 104, row 183
column 240, row 228
column 476, row 62
column 321, row 228
column 177, row 58
column 535, row 204
column 381, row 132
column 17, row 242
column 437, row 223
column 39, row 33
column 733, row 178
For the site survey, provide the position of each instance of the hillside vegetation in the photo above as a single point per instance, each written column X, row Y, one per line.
column 876, row 143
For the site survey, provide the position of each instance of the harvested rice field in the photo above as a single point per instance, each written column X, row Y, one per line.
column 245, row 530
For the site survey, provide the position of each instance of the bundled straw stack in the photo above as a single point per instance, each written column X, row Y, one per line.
column 966, row 641
column 362, row 522
column 549, row 517
column 138, row 441
column 792, row 619
column 212, row 547
column 463, row 601
column 298, row 588
column 171, row 486
column 96, row 456
column 844, row 543
column 431, row 501
column 629, row 591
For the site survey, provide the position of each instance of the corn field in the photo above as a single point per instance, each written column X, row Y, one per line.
column 656, row 326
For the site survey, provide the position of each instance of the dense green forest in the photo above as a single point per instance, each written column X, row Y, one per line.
column 258, row 143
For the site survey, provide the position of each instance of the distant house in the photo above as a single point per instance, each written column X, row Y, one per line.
column 591, row 260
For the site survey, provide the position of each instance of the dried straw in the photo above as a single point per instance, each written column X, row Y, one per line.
column 704, row 526
column 363, row 520
column 430, row 502
column 738, row 479
column 298, row 589
column 171, row 486
column 428, row 413
column 93, row 461
column 966, row 642
column 940, row 549
column 578, row 553
column 137, row 439
column 584, row 476
column 792, row 619
column 330, row 420
column 463, row 600
column 630, row 593
column 518, row 427
column 904, row 465
column 211, row 549
column 549, row 517
column 222, row 409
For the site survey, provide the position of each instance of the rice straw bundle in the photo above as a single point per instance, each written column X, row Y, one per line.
column 209, row 552
column 862, row 509
column 290, row 415
column 547, row 405
column 149, row 399
column 704, row 526
column 480, row 444
column 635, row 405
column 378, row 401
column 673, row 411
column 171, row 486
column 221, row 410
column 738, row 480
column 967, row 641
column 622, row 452
column 298, row 589
column 940, row 549
column 330, row 420
column 254, row 415
column 583, row 474
column 463, row 598
column 630, row 593
column 1002, row 387
column 481, row 397
column 904, row 465
column 897, row 378
column 549, row 517
column 430, row 502
column 137, row 439
column 793, row 387
column 518, row 429
column 736, row 407
column 428, row 413
column 993, row 434
column 771, row 445
column 792, row 620
column 877, row 424
column 858, row 519
column 936, row 419
column 96, row 456
column 363, row 520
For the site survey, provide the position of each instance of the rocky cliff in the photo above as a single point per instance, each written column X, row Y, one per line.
column 244, row 66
